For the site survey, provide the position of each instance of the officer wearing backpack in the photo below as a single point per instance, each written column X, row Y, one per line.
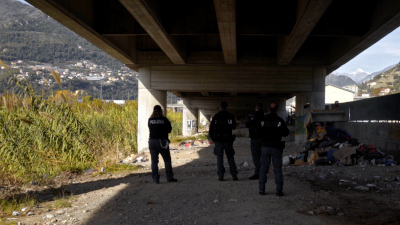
column 272, row 129
column 220, row 132
column 159, row 127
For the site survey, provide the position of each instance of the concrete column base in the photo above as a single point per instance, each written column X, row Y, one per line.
column 147, row 99
column 317, row 101
column 204, row 119
column 190, row 119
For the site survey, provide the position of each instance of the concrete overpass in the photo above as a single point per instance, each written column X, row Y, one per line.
column 242, row 51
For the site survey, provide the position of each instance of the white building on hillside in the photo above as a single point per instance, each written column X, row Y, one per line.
column 353, row 88
column 334, row 93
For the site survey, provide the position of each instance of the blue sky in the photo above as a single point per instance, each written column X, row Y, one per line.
column 382, row 54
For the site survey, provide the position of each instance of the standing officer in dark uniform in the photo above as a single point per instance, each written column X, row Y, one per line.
column 272, row 129
column 159, row 127
column 255, row 142
column 220, row 132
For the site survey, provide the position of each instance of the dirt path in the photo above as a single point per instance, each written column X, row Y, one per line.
column 198, row 198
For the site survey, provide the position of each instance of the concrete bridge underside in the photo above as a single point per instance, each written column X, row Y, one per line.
column 241, row 51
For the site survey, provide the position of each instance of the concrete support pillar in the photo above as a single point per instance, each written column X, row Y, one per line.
column 282, row 108
column 316, row 98
column 204, row 119
column 190, row 119
column 147, row 99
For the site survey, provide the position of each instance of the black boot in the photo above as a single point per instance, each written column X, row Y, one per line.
column 254, row 177
column 221, row 178
column 279, row 193
column 261, row 192
column 173, row 180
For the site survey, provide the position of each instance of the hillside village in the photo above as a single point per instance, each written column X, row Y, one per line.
column 342, row 87
column 84, row 70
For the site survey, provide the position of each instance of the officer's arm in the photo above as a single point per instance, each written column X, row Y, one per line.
column 284, row 129
column 168, row 124
column 148, row 123
column 233, row 123
column 211, row 130
column 249, row 124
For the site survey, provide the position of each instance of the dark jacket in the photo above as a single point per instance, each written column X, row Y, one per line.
column 159, row 128
column 252, row 124
column 272, row 129
column 221, row 127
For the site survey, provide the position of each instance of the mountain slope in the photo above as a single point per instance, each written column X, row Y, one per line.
column 356, row 76
column 372, row 75
column 339, row 80
column 388, row 79
column 30, row 35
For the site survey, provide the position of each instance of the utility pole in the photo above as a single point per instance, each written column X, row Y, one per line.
column 101, row 89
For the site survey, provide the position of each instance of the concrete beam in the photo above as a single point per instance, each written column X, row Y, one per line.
column 68, row 19
column 147, row 19
column 235, row 78
column 309, row 13
column 386, row 18
column 226, row 17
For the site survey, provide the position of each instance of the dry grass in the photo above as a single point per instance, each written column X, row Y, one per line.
column 39, row 138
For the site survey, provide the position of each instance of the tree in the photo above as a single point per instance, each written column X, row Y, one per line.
column 376, row 92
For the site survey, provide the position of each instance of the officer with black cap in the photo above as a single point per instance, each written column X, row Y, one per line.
column 255, row 142
column 159, row 127
column 220, row 132
column 272, row 129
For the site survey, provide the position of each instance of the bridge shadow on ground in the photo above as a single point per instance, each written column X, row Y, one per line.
column 197, row 198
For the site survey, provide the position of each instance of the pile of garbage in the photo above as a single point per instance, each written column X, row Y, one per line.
column 334, row 146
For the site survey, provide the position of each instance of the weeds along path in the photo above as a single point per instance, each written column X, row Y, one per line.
column 197, row 198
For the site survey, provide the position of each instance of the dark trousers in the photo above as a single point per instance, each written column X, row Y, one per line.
column 155, row 149
column 230, row 153
column 255, row 145
column 269, row 154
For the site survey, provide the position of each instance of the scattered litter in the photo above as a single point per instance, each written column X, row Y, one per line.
column 50, row 216
column 89, row 170
column 285, row 160
column 15, row 213
column 245, row 164
column 322, row 176
column 323, row 210
column 362, row 188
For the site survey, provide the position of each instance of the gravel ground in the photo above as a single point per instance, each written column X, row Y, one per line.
column 313, row 195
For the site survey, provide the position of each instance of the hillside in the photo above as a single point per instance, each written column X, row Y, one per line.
column 389, row 79
column 339, row 80
column 28, row 34
column 372, row 75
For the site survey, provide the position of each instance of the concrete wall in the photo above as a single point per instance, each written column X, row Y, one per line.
column 379, row 108
column 382, row 135
column 333, row 94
